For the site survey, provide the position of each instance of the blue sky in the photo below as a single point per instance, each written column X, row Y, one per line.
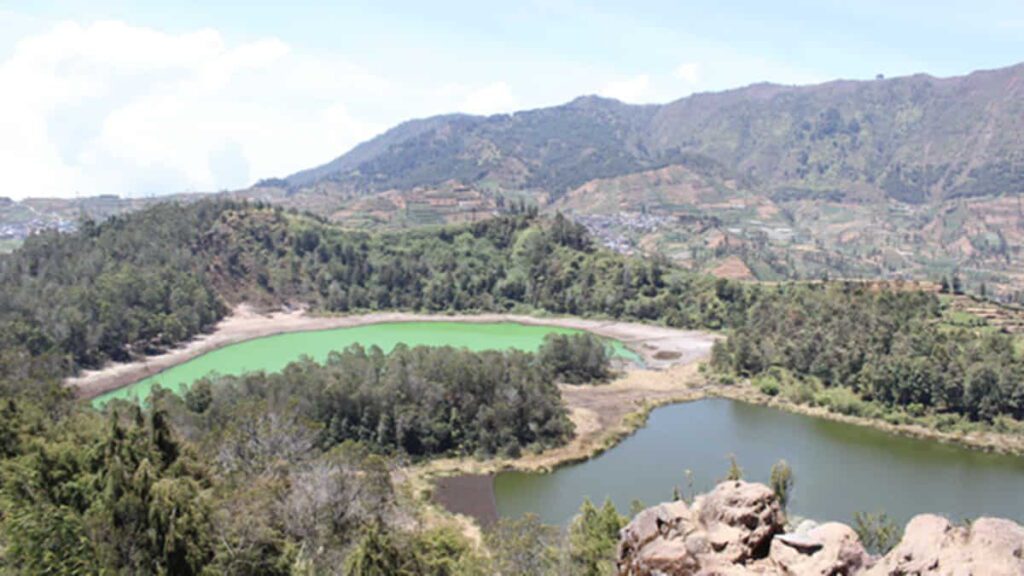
column 140, row 98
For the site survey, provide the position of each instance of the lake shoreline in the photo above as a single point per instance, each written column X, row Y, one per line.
column 659, row 346
column 987, row 441
column 603, row 415
column 576, row 451
column 692, row 387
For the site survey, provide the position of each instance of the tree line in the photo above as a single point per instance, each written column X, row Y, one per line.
column 292, row 472
column 281, row 473
column 419, row 402
column 844, row 343
column 139, row 283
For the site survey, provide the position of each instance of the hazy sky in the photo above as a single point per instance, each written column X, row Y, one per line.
column 140, row 98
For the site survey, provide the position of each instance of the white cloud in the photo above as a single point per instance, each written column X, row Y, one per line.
column 635, row 89
column 688, row 72
column 493, row 98
column 113, row 108
column 484, row 99
column 108, row 107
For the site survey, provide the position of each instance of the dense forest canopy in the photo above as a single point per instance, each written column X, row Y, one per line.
column 148, row 280
column 273, row 473
column 883, row 346
column 292, row 473
column 419, row 401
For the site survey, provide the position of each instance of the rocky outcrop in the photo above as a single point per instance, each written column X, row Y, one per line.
column 738, row 529
column 731, row 526
column 933, row 546
column 817, row 550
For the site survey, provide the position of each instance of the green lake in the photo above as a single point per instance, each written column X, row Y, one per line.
column 840, row 468
column 273, row 353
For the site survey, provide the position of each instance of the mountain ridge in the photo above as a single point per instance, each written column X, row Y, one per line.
column 916, row 177
column 909, row 177
column 732, row 128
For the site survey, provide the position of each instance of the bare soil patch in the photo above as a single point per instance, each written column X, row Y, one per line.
column 733, row 268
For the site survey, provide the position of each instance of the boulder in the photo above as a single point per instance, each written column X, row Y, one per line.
column 737, row 530
column 666, row 556
column 740, row 519
column 721, row 532
column 825, row 550
column 651, row 523
column 931, row 545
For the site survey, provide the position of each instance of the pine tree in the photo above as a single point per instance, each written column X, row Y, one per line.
column 782, row 482
column 375, row 555
column 593, row 536
column 735, row 472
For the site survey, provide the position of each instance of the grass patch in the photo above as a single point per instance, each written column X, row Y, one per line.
column 843, row 401
column 9, row 245
column 963, row 319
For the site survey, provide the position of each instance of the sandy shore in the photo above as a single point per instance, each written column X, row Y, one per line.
column 602, row 415
column 660, row 347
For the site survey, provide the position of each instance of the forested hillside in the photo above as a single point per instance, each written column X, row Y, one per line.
column 141, row 282
column 912, row 139
column 876, row 354
column 912, row 177
column 268, row 474
column 296, row 472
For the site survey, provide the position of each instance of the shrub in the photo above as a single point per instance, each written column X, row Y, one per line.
column 916, row 410
column 782, row 481
column 735, row 472
column 842, row 401
column 767, row 385
column 877, row 532
column 800, row 392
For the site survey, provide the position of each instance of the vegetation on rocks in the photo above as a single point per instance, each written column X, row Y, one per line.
column 876, row 531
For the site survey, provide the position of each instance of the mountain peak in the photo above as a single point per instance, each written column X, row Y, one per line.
column 842, row 136
column 594, row 101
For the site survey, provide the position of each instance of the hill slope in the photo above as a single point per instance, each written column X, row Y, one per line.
column 915, row 177
column 912, row 139
column 906, row 177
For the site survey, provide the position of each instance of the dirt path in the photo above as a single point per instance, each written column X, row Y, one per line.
column 661, row 347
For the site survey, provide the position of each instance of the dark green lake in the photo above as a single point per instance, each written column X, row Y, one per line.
column 840, row 468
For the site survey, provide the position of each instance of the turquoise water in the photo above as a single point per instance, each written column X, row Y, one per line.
column 273, row 353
